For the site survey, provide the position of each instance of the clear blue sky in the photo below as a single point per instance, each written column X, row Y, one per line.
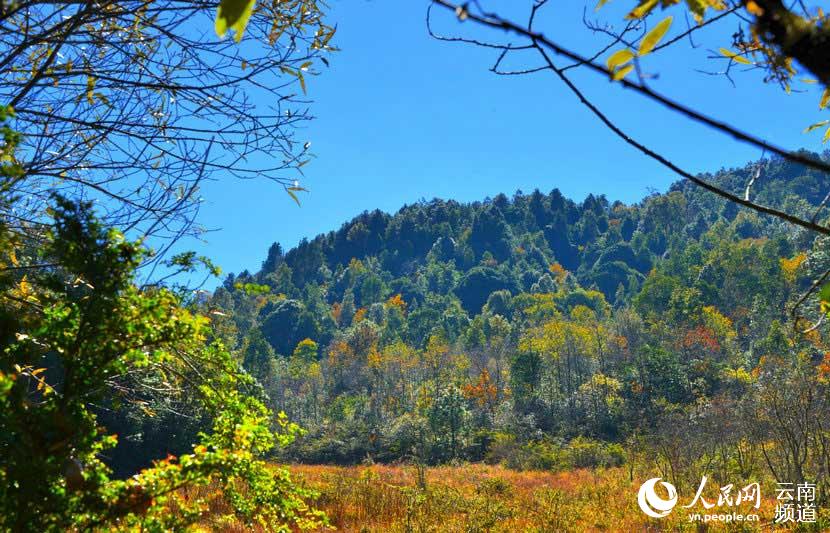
column 403, row 117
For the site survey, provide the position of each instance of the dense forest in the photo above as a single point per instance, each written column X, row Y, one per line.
column 544, row 333
column 523, row 363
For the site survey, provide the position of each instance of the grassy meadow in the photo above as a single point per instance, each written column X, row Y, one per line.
column 478, row 498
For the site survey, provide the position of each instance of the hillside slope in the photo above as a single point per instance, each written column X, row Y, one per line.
column 534, row 329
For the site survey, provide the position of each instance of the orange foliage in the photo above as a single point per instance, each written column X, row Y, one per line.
column 397, row 301
column 359, row 315
column 339, row 352
column 701, row 337
column 823, row 368
column 558, row 271
column 484, row 392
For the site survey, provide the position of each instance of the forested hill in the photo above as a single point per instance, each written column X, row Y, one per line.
column 449, row 257
column 683, row 268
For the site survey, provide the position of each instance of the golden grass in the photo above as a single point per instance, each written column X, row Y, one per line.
column 477, row 497
column 483, row 498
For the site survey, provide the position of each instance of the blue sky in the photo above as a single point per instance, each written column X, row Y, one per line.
column 403, row 117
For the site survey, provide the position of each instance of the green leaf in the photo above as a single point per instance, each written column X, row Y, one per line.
column 824, row 294
column 653, row 37
column 233, row 15
column 619, row 58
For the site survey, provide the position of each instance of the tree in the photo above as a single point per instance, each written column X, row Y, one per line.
column 133, row 104
column 556, row 234
column 274, row 258
column 122, row 103
column 306, row 351
column 82, row 334
column 448, row 417
column 476, row 286
column 286, row 323
column 525, row 376
column 491, row 234
column 499, row 303
column 258, row 357
column 546, row 366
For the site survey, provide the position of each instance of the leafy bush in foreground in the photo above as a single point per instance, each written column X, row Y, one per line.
column 78, row 333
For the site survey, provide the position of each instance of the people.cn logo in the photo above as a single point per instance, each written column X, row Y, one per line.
column 652, row 504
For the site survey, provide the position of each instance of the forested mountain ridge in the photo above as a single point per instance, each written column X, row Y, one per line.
column 532, row 323
column 517, row 243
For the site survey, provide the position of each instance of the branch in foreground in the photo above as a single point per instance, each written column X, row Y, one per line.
column 540, row 43
column 494, row 21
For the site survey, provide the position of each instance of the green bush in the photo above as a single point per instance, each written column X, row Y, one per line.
column 552, row 455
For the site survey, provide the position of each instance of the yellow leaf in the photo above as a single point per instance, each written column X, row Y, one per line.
column 23, row 287
column 825, row 99
column 302, row 82
column 735, row 57
column 233, row 15
column 621, row 73
column 816, row 126
column 90, row 86
column 619, row 58
column 754, row 8
column 653, row 37
column 293, row 195
column 698, row 9
column 826, row 136
column 642, row 10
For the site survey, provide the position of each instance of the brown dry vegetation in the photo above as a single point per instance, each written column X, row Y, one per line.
column 479, row 498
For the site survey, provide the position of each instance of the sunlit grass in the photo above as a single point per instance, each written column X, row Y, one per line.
column 478, row 497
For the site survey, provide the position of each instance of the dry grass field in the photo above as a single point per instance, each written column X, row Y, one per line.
column 483, row 498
